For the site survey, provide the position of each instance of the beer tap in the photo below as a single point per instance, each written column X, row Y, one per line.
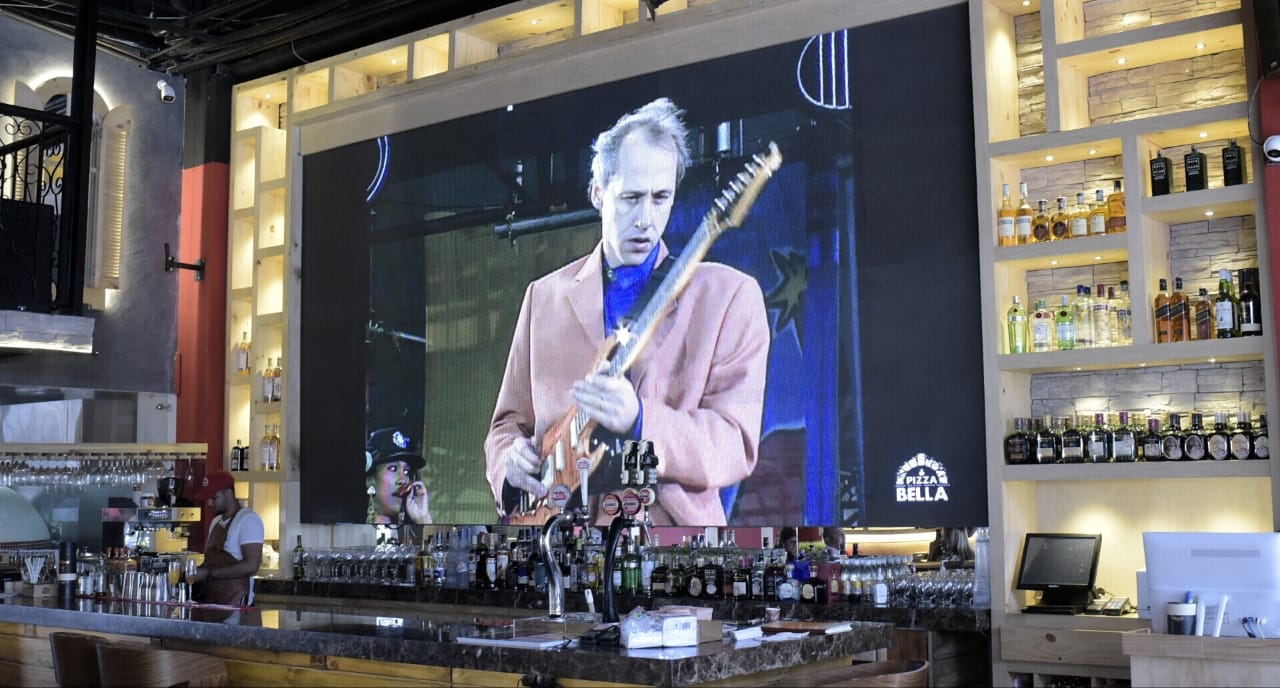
column 555, row 588
column 639, row 469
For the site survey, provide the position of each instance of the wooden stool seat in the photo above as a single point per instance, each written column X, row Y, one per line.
column 75, row 659
column 122, row 665
column 895, row 673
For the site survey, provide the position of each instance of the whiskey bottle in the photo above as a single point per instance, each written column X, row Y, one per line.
column 1250, row 304
column 233, row 459
column 1072, row 441
column 1218, row 444
column 1023, row 221
column 1124, row 315
column 1124, row 447
column 240, row 353
column 1261, row 448
column 1005, row 219
column 1017, row 327
column 1065, row 321
column 268, row 385
column 1171, row 440
column 1152, row 446
column 1232, row 164
column 1084, row 317
column 658, row 579
column 742, row 581
column 1116, row 220
column 1242, row 438
column 1098, row 214
column 1160, row 174
column 1103, row 318
column 1193, row 440
column 1096, row 448
column 1179, row 314
column 1042, row 327
column 757, row 577
column 1060, row 221
column 1195, row 170
column 1204, row 316
column 1040, row 224
column 299, row 560
column 1019, row 446
column 1164, row 325
column 1046, row 441
column 1226, row 308
column 277, row 379
column 695, row 582
column 1080, row 217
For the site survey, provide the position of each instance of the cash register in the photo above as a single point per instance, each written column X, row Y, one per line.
column 1062, row 567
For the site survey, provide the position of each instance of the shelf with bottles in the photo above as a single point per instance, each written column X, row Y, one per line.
column 1135, row 356
column 1155, row 470
column 372, row 69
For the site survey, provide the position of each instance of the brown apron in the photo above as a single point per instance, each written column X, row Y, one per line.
column 232, row 591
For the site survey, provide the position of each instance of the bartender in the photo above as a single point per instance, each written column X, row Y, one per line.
column 233, row 549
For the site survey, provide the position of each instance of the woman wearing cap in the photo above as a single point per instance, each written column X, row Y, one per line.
column 391, row 466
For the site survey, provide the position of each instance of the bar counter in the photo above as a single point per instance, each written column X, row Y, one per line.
column 410, row 634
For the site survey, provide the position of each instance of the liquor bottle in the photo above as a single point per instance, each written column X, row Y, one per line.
column 1019, row 447
column 246, row 461
column 275, row 448
column 277, row 379
column 1218, row 444
column 1163, row 323
column 713, row 578
column 1042, row 327
column 1023, row 221
column 233, row 460
column 484, row 564
column 1060, row 221
column 757, row 578
column 1124, row 315
column 1084, row 317
column 696, row 582
column 658, row 579
column 1160, row 174
column 1072, row 441
column 1124, row 447
column 267, row 384
column 631, row 569
column 1250, row 304
column 1116, row 221
column 1242, row 438
column 1103, row 326
column 1098, row 214
column 1080, row 217
column 1179, row 314
column 772, row 576
column 1046, row 441
column 502, row 562
column 1005, row 220
column 299, row 561
column 742, row 581
column 1195, row 170
column 241, row 355
column 1193, row 438
column 1017, row 327
column 1040, row 224
column 1232, row 164
column 1226, row 308
column 1096, row 441
column 1204, row 316
column 1171, row 441
column 264, row 450
column 1065, row 320
column 1152, row 445
column 1261, row 447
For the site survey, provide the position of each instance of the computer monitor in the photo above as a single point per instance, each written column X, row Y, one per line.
column 1063, row 566
column 1245, row 567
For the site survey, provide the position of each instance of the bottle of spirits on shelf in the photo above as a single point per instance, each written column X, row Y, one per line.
column 1098, row 214
column 1226, row 308
column 1163, row 323
column 1261, row 448
column 1042, row 327
column 240, row 353
column 268, row 384
column 299, row 560
column 1023, row 221
column 1080, row 217
column 1124, row 315
column 1232, row 164
column 277, row 379
column 1204, row 316
column 1179, row 314
column 234, row 458
column 1218, row 444
column 1103, row 318
column 1124, row 447
column 1072, row 441
column 1171, row 440
column 1250, row 304
column 1040, row 224
column 1242, row 438
column 1060, row 221
column 1152, row 443
column 1195, row 170
column 1193, row 439
column 1161, row 173
column 1084, row 317
column 1047, row 440
column 1019, row 446
column 1097, row 439
column 1005, row 216
column 1065, row 321
column 1116, row 221
column 1017, row 327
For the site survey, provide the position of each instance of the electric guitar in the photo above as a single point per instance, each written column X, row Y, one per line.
column 570, row 453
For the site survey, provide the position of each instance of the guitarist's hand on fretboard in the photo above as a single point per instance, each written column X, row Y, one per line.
column 608, row 400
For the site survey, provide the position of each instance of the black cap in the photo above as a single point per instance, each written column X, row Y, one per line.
column 391, row 444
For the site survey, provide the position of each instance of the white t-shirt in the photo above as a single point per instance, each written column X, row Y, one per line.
column 245, row 529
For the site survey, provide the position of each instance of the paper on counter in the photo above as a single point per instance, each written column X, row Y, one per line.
column 839, row 629
column 775, row 637
column 747, row 632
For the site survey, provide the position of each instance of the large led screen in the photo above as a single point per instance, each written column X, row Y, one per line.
column 809, row 355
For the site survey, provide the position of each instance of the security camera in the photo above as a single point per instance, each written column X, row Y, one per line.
column 1271, row 148
column 166, row 91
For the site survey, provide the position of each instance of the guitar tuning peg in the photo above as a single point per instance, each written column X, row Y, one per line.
column 744, row 177
column 721, row 205
column 737, row 186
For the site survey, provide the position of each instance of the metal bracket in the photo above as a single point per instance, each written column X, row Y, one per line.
column 171, row 264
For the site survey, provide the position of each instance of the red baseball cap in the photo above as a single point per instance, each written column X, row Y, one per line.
column 212, row 484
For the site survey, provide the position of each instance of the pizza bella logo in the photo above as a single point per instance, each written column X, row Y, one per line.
column 922, row 478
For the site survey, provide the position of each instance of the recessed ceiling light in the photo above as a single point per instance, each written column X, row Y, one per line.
column 1208, row 213
column 1048, row 158
column 1026, row 3
column 535, row 21
column 1121, row 60
column 1053, row 262
column 1097, row 257
column 1078, row 368
column 1213, row 360
column 1093, row 151
column 1200, row 45
column 1204, row 134
column 1142, row 365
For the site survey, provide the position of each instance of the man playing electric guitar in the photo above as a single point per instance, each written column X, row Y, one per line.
column 696, row 390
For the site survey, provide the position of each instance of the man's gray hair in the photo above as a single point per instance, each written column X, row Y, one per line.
column 661, row 119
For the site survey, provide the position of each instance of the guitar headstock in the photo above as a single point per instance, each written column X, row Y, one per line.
column 730, row 208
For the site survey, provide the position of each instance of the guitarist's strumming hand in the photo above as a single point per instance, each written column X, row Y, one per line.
column 524, row 467
column 608, row 400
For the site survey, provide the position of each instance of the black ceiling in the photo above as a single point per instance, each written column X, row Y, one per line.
column 249, row 38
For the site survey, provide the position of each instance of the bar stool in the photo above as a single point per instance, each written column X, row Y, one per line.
column 123, row 666
column 75, row 659
column 894, row 673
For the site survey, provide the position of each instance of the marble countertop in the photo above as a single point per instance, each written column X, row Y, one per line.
column 422, row 633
